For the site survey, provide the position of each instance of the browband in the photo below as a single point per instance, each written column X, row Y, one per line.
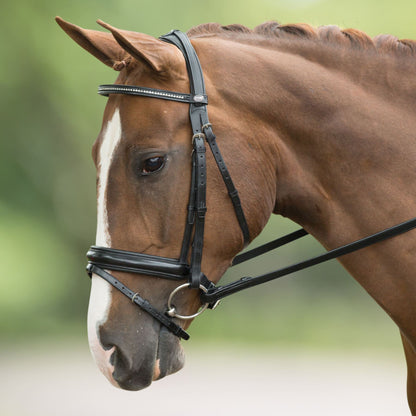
column 108, row 89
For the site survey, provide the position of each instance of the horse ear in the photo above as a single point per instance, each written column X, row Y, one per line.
column 160, row 56
column 102, row 45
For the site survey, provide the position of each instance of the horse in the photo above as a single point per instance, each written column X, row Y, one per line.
column 315, row 124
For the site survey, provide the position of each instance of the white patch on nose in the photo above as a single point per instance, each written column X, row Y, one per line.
column 100, row 297
column 112, row 136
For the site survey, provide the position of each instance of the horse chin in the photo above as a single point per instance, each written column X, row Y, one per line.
column 167, row 358
column 170, row 355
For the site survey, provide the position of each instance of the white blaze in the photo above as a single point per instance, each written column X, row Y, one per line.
column 100, row 298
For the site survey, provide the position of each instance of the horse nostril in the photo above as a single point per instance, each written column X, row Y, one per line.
column 120, row 361
column 130, row 369
column 122, row 365
column 117, row 359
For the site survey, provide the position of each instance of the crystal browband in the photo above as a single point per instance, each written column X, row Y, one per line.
column 106, row 90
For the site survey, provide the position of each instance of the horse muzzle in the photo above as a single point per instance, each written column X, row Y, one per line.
column 131, row 349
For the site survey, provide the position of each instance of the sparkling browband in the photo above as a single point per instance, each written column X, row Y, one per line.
column 108, row 89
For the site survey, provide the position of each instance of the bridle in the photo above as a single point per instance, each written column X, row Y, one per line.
column 101, row 259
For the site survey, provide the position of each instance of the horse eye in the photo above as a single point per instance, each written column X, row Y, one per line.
column 152, row 165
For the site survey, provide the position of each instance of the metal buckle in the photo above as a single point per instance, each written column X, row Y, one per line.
column 198, row 135
column 134, row 297
column 206, row 126
column 172, row 310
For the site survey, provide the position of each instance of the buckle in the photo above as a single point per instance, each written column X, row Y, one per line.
column 201, row 211
column 198, row 136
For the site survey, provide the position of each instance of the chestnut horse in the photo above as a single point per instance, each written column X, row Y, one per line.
column 317, row 125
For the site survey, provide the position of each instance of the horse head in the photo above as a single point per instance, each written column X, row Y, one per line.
column 143, row 160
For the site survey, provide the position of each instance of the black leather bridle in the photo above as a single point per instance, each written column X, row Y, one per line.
column 102, row 259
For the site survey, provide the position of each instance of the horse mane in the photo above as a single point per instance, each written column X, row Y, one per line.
column 352, row 38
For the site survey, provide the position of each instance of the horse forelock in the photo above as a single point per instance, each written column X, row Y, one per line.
column 331, row 34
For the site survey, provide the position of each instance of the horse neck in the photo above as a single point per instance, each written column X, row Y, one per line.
column 340, row 138
column 336, row 125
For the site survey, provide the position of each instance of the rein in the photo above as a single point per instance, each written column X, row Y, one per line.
column 219, row 292
column 101, row 259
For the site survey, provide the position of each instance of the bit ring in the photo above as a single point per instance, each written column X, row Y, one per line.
column 172, row 310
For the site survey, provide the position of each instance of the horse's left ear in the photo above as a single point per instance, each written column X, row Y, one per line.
column 160, row 56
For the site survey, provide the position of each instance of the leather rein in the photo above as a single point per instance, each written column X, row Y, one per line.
column 101, row 259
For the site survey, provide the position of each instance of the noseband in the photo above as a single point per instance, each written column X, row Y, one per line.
column 102, row 259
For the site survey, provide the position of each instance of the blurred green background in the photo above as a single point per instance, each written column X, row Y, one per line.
column 50, row 116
